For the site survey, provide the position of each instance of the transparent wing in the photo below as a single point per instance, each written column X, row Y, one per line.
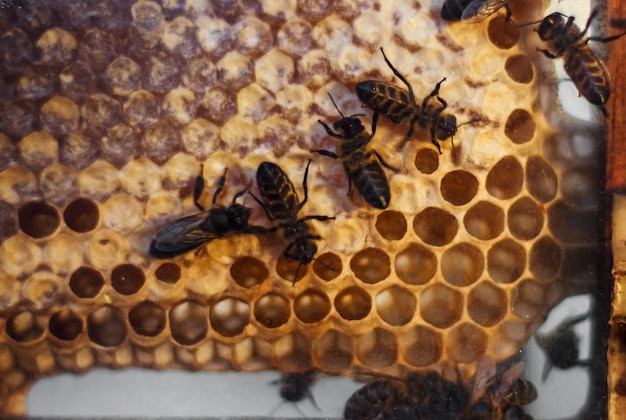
column 507, row 380
column 479, row 10
column 181, row 236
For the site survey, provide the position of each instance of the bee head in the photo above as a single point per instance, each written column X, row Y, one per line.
column 303, row 251
column 349, row 127
column 446, row 127
column 550, row 25
column 238, row 216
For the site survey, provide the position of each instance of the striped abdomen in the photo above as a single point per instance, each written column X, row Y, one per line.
column 370, row 181
column 388, row 99
column 277, row 191
column 588, row 74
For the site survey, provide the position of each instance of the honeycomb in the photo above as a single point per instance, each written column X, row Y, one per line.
column 109, row 109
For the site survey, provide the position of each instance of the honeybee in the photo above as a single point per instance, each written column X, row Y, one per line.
column 382, row 398
column 399, row 106
column 472, row 11
column 363, row 167
column 190, row 232
column 280, row 202
column 295, row 387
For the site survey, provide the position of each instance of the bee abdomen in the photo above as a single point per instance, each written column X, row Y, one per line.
column 371, row 182
column 386, row 98
column 588, row 74
column 452, row 10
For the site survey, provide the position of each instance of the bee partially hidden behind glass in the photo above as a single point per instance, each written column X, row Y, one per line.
column 472, row 11
column 295, row 387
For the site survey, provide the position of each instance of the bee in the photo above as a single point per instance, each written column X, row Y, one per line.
column 363, row 167
column 434, row 397
column 581, row 63
column 280, row 202
column 472, row 11
column 399, row 106
column 190, row 232
column 380, row 399
column 295, row 387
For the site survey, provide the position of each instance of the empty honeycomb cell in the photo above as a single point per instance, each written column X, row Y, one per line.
column 327, row 266
column 56, row 47
column 435, row 226
column 38, row 150
column 421, row 346
column 168, row 273
column 127, row 279
column 311, row 306
column 416, row 264
column 38, row 219
column 24, row 326
column 123, row 75
column 580, row 188
column 188, row 322
column 426, row 161
column 86, row 282
column 391, row 225
column 459, row 187
column 503, row 32
column 229, row 316
column 571, row 225
column 295, row 36
column 371, row 265
column 519, row 68
column 81, row 215
column 100, row 112
column 36, row 83
column 506, row 261
column 466, row 342
column 505, row 179
column 353, row 303
column 519, row 126
column 396, row 305
column 65, row 325
column 545, row 258
column 106, row 326
column 528, row 299
column 484, row 220
column 441, row 306
column 248, row 272
column 487, row 304
column 147, row 318
column 462, row 264
column 541, row 179
column 272, row 310
column 377, row 349
column 525, row 218
column 290, row 270
column 333, row 351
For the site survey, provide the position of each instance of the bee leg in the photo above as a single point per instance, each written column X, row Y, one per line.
column 549, row 54
column 433, row 139
column 330, row 131
column 508, row 15
column 263, row 205
column 382, row 161
column 374, row 122
column 305, row 189
column 326, row 153
column 349, row 182
column 199, row 188
column 220, row 186
column 604, row 40
column 400, row 76
column 315, row 217
column 593, row 14
column 432, row 94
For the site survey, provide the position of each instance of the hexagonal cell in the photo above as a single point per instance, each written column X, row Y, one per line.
column 391, row 225
column 272, row 310
column 487, row 304
column 415, row 264
column 571, row 225
column 435, row 226
column 421, row 346
column 396, row 305
column 293, row 352
column 519, row 126
column 525, row 218
column 24, row 326
column 503, row 33
column 466, row 342
column 541, row 179
column 506, row 261
column 327, row 266
column 462, row 264
column 519, row 68
column 290, row 270
column 427, row 161
column 127, row 279
column 229, row 316
column 505, row 179
column 311, row 306
column 333, row 351
column 65, row 325
column 38, row 219
column 441, row 306
column 353, row 303
column 459, row 187
column 147, row 318
column 249, row 272
column 484, row 220
column 86, row 282
column 188, row 322
column 545, row 258
column 168, row 273
column 81, row 215
column 528, row 299
column 106, row 326
column 371, row 265
column 377, row 349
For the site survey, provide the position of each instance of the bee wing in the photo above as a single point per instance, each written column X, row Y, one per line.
column 479, row 10
column 181, row 236
column 485, row 371
column 507, row 380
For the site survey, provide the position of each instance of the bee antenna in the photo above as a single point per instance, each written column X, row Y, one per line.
column 336, row 107
column 530, row 23
column 453, row 149
column 295, row 277
column 325, row 265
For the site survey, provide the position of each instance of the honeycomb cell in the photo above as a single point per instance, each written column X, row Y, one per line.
column 100, row 112
column 24, row 326
column 327, row 266
column 188, row 322
column 161, row 73
column 147, row 318
column 56, row 47
column 295, row 36
column 333, row 351
column 571, row 225
column 427, row 161
column 199, row 138
column 353, row 303
column 290, row 270
column 506, row 261
column 487, row 304
column 391, row 225
column 229, row 316
column 519, row 126
column 466, row 342
column 314, row 68
column 127, row 279
column 541, row 179
column 38, row 150
column 81, row 215
column 86, row 282
column 396, row 305
column 16, row 50
column 147, row 16
column 416, row 264
column 435, row 226
column 77, row 150
column 97, row 49
column 293, row 351
column 484, row 220
column 120, row 145
column 377, row 349
column 580, row 188
column 272, row 310
column 503, row 32
column 441, row 306
column 168, row 273
column 505, row 179
column 235, row 70
column 462, row 264
column 528, row 299
column 249, row 272
column 525, row 218
column 179, row 105
column 313, row 10
column 77, row 82
column 16, row 119
column 545, row 258
column 36, row 83
column 274, row 70
column 106, row 326
column 160, row 141
column 123, row 75
column 332, row 34
column 65, row 325
column 38, row 219
column 519, row 68
column 179, row 37
column 141, row 109
column 371, row 265
column 311, row 306
column 200, row 73
column 459, row 187
column 8, row 227
column 253, row 37
column 58, row 183
column 421, row 346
